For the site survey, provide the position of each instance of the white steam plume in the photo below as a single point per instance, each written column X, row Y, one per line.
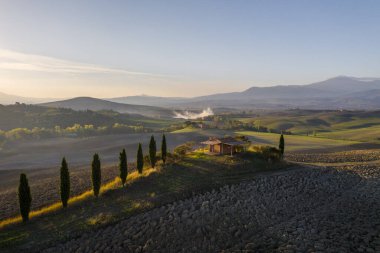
column 193, row 115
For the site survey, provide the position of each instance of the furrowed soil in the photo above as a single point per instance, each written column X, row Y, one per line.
column 330, row 208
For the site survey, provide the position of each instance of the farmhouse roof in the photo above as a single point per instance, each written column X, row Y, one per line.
column 227, row 140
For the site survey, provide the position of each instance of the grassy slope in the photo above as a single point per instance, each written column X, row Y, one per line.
column 295, row 142
column 186, row 130
column 368, row 134
column 159, row 187
column 30, row 116
column 359, row 126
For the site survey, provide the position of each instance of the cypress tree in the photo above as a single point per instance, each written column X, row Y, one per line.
column 140, row 159
column 163, row 148
column 96, row 175
column 65, row 183
column 152, row 151
column 281, row 146
column 24, row 197
column 123, row 167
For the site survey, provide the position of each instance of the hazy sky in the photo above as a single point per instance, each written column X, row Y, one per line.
column 182, row 48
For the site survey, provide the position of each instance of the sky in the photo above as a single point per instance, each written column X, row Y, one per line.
column 51, row 48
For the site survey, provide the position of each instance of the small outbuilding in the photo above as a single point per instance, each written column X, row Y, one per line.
column 224, row 146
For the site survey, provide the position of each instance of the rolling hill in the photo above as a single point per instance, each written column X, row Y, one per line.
column 148, row 100
column 30, row 116
column 95, row 104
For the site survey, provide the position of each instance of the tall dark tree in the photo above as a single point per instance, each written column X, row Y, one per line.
column 24, row 197
column 281, row 146
column 140, row 159
column 65, row 183
column 152, row 151
column 163, row 149
column 96, row 175
column 123, row 167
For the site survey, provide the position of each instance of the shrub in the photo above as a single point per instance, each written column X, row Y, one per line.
column 184, row 148
column 266, row 152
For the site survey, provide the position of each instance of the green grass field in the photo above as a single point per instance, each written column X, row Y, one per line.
column 361, row 126
column 367, row 134
column 303, row 122
column 295, row 142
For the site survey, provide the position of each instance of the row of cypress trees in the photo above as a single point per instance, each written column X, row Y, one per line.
column 24, row 193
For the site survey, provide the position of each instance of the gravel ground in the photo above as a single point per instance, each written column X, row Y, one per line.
column 310, row 209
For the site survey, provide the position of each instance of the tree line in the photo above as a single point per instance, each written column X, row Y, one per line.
column 24, row 192
column 76, row 130
column 225, row 123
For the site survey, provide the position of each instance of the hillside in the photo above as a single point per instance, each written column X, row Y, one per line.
column 239, row 204
column 317, row 122
column 95, row 104
column 153, row 188
column 148, row 100
column 30, row 116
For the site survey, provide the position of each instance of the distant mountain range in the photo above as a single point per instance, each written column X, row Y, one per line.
column 7, row 99
column 340, row 92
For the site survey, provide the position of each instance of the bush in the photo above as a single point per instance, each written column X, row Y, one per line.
column 184, row 148
column 267, row 153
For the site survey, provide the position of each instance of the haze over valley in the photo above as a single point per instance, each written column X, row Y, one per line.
column 339, row 92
